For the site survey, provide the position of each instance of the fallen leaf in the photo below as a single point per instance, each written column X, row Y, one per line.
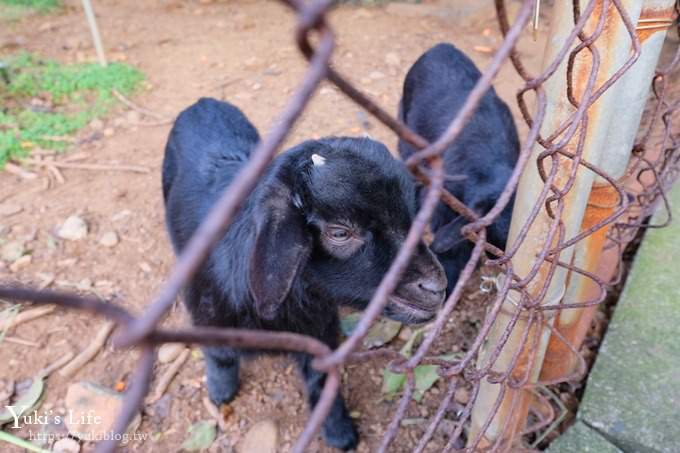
column 380, row 333
column 201, row 435
column 28, row 401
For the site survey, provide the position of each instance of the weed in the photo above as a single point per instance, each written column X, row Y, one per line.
column 46, row 100
column 38, row 5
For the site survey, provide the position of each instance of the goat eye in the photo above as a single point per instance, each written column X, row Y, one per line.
column 338, row 234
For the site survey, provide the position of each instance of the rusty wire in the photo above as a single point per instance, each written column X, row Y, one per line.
column 655, row 164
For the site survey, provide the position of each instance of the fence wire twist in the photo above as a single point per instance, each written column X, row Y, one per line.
column 654, row 165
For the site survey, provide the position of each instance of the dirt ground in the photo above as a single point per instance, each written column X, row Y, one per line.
column 242, row 51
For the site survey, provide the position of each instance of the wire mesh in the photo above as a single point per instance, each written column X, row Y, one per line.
column 560, row 160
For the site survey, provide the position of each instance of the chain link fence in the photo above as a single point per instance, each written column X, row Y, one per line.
column 585, row 185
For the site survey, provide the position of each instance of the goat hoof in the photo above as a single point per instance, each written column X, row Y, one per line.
column 221, row 391
column 341, row 434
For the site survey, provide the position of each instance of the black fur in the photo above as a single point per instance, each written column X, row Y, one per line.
column 485, row 152
column 320, row 230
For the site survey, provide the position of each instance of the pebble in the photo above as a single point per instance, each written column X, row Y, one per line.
column 12, row 251
column 392, row 59
column 169, row 352
column 86, row 400
column 145, row 267
column 66, row 445
column 7, row 209
column 133, row 117
column 20, row 263
column 376, row 75
column 462, row 395
column 109, row 239
column 250, row 62
column 405, row 333
column 73, row 229
column 121, row 215
column 262, row 437
column 108, row 132
column 84, row 285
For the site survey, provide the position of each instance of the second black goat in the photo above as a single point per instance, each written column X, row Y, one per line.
column 485, row 152
column 320, row 230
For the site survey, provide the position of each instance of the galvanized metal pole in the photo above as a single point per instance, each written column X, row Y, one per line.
column 96, row 37
column 614, row 49
column 573, row 324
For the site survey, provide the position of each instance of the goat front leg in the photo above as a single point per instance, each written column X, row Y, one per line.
column 222, row 373
column 338, row 429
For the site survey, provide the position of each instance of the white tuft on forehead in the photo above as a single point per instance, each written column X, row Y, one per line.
column 318, row 160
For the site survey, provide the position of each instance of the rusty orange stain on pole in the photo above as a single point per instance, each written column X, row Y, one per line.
column 573, row 324
column 559, row 360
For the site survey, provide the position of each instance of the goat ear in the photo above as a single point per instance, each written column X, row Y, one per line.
column 447, row 236
column 282, row 246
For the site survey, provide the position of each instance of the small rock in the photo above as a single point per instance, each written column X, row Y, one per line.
column 108, row 132
column 169, row 352
column 73, row 229
column 84, row 285
column 12, row 251
column 261, row 438
column 109, row 239
column 133, row 117
column 250, row 62
column 405, row 333
column 7, row 209
column 462, row 395
column 256, row 86
column 160, row 410
column 392, row 59
column 121, row 215
column 20, row 263
column 145, row 267
column 92, row 410
column 376, row 75
column 66, row 445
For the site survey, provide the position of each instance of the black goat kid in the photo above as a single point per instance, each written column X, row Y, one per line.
column 485, row 152
column 320, row 230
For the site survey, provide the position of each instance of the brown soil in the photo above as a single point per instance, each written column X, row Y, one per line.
column 242, row 51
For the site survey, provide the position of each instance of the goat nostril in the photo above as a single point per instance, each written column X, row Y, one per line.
column 430, row 286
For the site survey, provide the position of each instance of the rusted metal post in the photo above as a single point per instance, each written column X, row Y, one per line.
column 521, row 355
column 633, row 90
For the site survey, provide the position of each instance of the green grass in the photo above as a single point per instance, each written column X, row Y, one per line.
column 38, row 5
column 68, row 95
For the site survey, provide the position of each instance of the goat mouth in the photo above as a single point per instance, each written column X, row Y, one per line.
column 407, row 311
